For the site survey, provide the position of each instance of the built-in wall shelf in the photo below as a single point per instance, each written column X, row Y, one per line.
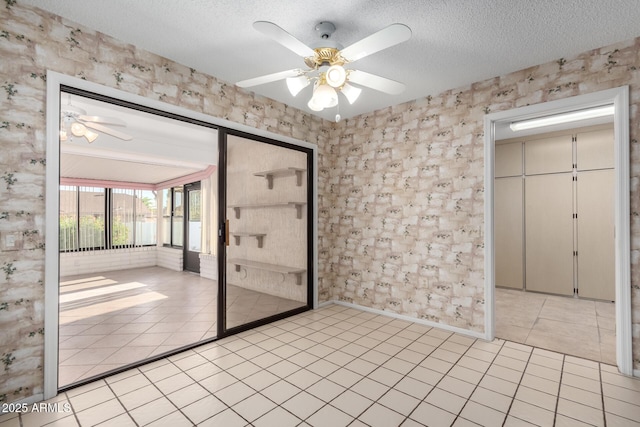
column 297, row 205
column 269, row 175
column 239, row 262
column 259, row 236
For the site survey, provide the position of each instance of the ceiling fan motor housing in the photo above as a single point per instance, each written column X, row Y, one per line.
column 325, row 29
column 326, row 52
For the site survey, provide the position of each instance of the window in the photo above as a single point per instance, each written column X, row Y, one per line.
column 173, row 216
column 94, row 218
column 146, row 218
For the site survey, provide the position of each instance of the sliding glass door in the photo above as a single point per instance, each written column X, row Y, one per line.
column 265, row 251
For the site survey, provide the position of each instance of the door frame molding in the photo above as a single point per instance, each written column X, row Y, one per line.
column 619, row 98
column 55, row 81
column 312, row 225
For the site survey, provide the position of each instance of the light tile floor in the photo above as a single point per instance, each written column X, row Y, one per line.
column 112, row 319
column 579, row 327
column 338, row 366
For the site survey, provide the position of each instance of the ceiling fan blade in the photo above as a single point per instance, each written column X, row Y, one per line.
column 387, row 37
column 372, row 81
column 108, row 131
column 270, row 78
column 100, row 119
column 276, row 33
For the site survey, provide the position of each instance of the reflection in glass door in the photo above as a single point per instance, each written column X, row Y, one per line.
column 193, row 233
column 267, row 269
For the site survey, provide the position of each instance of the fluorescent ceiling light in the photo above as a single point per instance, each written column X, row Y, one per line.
column 571, row 116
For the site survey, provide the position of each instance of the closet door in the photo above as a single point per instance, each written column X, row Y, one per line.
column 596, row 253
column 548, row 155
column 549, row 233
column 509, row 232
column 508, row 159
column 594, row 150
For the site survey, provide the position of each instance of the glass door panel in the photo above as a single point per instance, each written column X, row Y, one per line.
column 193, row 244
column 177, row 227
column 267, row 257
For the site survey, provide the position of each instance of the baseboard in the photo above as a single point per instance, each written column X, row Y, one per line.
column 31, row 399
column 636, row 373
column 448, row 328
column 326, row 303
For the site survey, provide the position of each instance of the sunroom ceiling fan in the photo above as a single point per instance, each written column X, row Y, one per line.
column 74, row 121
column 328, row 65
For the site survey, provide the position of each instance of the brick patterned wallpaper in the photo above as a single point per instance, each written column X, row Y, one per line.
column 400, row 190
column 31, row 42
column 406, row 185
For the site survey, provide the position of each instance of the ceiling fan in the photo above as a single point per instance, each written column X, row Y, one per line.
column 75, row 122
column 326, row 64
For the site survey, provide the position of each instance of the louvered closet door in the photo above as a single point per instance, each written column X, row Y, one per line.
column 509, row 232
column 596, row 254
column 549, row 233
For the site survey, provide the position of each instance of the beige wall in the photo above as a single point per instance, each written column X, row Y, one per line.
column 400, row 190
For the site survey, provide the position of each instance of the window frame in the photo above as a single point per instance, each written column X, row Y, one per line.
column 108, row 222
column 172, row 216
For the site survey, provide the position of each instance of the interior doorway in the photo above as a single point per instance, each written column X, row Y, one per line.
column 619, row 99
column 554, row 240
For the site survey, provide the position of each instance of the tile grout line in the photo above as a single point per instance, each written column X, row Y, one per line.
column 515, row 392
column 334, row 350
column 355, row 357
column 363, row 376
column 443, row 376
column 166, row 397
column 478, row 384
column 266, row 351
column 403, row 375
column 121, row 404
column 555, row 412
column 604, row 415
column 303, row 326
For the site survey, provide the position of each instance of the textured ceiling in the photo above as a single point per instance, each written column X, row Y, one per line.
column 454, row 42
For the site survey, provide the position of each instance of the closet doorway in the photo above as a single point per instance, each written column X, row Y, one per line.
column 554, row 240
column 618, row 98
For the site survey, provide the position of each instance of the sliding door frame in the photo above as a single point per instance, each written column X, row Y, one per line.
column 57, row 82
column 223, row 233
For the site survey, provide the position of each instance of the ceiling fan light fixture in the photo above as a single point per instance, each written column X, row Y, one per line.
column 325, row 96
column 296, row 84
column 336, row 76
column 78, row 129
column 313, row 104
column 91, row 136
column 350, row 92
